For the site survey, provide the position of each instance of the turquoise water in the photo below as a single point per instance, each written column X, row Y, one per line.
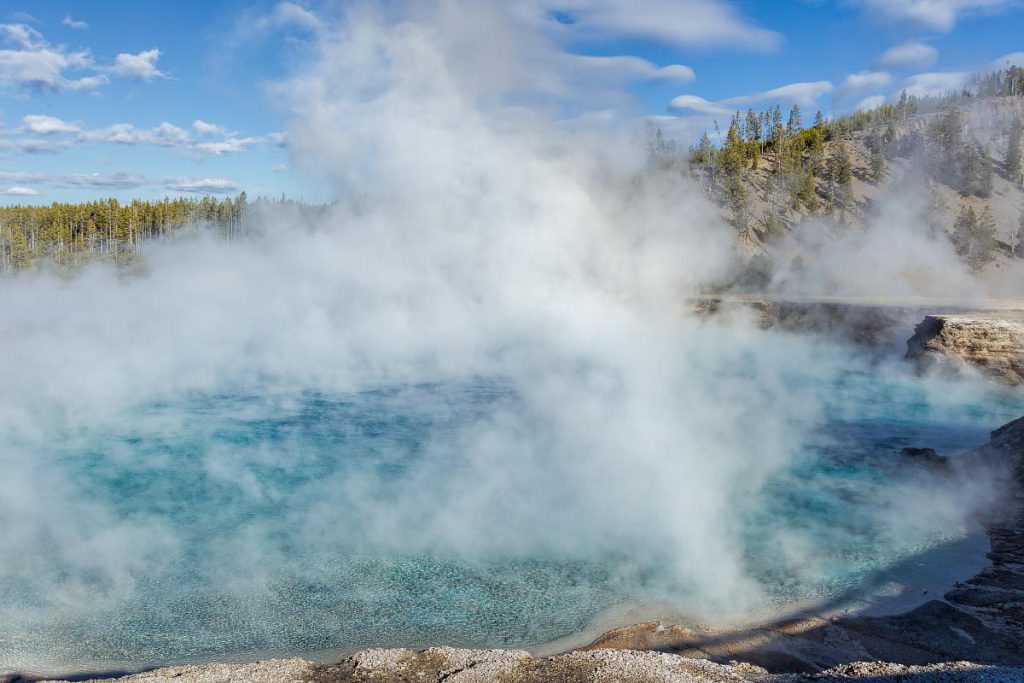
column 264, row 526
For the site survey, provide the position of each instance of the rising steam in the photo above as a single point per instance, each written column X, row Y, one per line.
column 476, row 240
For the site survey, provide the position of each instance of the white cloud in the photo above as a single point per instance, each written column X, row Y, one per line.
column 288, row 14
column 24, row 17
column 35, row 146
column 909, row 56
column 74, row 23
column 164, row 135
column 25, row 37
column 229, row 146
column 699, row 105
column 696, row 23
column 210, row 129
column 18, row 191
column 36, row 64
column 87, row 83
column 628, row 68
column 804, row 94
column 122, row 181
column 939, row 15
column 865, row 81
column 280, row 168
column 39, row 124
column 201, row 185
column 141, row 66
column 935, row 83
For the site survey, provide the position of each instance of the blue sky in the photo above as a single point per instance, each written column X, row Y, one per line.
column 142, row 98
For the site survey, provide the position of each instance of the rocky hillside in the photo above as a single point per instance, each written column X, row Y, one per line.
column 949, row 167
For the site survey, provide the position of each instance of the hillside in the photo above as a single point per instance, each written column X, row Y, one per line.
column 946, row 168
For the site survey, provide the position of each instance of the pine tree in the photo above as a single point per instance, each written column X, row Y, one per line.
column 876, row 146
column 807, row 194
column 793, row 125
column 840, row 174
column 1012, row 163
column 974, row 236
column 753, row 127
column 1018, row 239
column 732, row 164
column 819, row 120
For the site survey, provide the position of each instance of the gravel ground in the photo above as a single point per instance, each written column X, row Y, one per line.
column 451, row 665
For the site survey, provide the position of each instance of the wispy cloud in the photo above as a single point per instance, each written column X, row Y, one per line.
column 208, row 129
column 168, row 135
column 17, row 191
column 201, row 185
column 164, row 135
column 625, row 68
column 74, row 23
column 698, row 105
column 938, row 15
column 909, row 56
column 228, row 146
column 804, row 94
column 696, row 23
column 118, row 181
column 860, row 83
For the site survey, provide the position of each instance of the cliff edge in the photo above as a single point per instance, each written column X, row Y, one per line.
column 990, row 344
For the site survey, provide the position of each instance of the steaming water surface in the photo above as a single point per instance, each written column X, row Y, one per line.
column 254, row 515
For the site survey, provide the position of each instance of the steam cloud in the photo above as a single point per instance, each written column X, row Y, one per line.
column 476, row 240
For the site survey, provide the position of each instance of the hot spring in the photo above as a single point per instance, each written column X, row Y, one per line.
column 273, row 520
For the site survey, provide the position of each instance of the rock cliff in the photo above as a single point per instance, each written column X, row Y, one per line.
column 991, row 344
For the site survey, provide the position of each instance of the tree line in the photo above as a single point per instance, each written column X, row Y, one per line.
column 71, row 235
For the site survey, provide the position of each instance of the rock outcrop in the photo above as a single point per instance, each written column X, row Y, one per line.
column 989, row 343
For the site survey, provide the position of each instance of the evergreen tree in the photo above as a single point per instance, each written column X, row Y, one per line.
column 974, row 236
column 732, row 162
column 1012, row 162
column 661, row 152
column 753, row 128
column 840, row 174
column 1017, row 248
column 777, row 130
column 704, row 152
column 876, row 146
column 793, row 125
column 819, row 120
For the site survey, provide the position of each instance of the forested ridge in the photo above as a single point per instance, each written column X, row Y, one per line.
column 771, row 171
